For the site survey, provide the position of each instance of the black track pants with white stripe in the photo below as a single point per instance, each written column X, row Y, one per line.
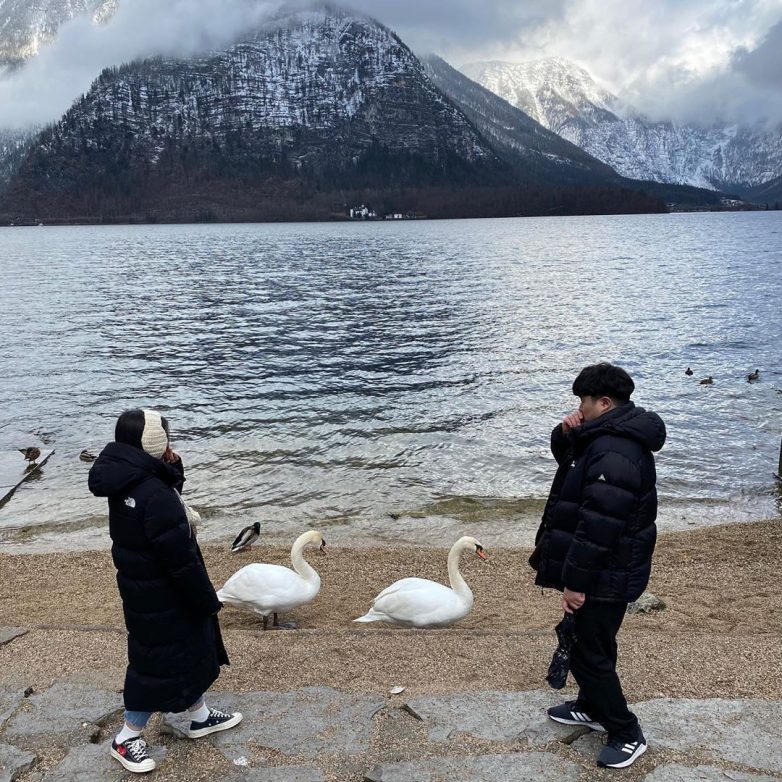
column 593, row 665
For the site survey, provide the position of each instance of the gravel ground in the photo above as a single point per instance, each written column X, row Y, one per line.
column 715, row 581
column 718, row 637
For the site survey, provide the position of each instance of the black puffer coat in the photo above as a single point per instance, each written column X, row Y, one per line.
column 598, row 531
column 174, row 644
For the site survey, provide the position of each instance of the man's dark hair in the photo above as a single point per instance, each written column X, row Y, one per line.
column 604, row 380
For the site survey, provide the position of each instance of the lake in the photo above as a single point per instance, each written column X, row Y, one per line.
column 389, row 382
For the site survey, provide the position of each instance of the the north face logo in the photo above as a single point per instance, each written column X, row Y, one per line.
column 573, row 464
column 130, row 502
column 602, row 477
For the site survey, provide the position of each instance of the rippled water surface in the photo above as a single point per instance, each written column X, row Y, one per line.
column 388, row 381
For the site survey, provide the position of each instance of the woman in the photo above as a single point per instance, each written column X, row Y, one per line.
column 174, row 645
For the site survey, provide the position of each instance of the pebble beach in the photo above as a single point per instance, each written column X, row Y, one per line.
column 718, row 637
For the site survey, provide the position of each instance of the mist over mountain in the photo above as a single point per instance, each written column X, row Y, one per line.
column 26, row 25
column 537, row 153
column 565, row 99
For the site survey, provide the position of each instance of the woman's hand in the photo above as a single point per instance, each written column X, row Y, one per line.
column 170, row 455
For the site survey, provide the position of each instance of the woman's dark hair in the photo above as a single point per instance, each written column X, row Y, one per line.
column 130, row 427
column 604, row 380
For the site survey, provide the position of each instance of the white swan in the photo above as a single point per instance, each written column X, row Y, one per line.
column 418, row 602
column 272, row 589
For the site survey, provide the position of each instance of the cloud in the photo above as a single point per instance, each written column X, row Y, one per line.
column 673, row 59
column 762, row 66
column 458, row 28
column 691, row 60
column 44, row 88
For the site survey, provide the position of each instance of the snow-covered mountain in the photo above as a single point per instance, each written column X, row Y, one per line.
column 317, row 99
column 25, row 25
column 566, row 99
column 519, row 139
column 317, row 108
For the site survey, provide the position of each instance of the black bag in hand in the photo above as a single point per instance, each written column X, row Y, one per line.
column 560, row 662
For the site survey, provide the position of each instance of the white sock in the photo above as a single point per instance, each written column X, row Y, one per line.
column 199, row 715
column 127, row 733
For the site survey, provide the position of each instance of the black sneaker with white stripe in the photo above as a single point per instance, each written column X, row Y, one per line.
column 217, row 720
column 618, row 753
column 133, row 755
column 570, row 714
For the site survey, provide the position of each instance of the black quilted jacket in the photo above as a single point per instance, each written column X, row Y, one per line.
column 170, row 606
column 598, row 531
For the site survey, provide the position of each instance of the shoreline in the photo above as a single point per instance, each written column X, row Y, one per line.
column 7, row 221
column 497, row 524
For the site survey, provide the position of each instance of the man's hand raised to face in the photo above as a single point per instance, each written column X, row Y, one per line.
column 571, row 421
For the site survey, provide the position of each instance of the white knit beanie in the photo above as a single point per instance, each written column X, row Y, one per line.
column 154, row 439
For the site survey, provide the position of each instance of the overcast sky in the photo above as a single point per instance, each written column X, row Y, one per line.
column 681, row 59
column 691, row 60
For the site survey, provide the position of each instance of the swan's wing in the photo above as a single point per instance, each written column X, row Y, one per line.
column 419, row 601
column 402, row 585
column 267, row 587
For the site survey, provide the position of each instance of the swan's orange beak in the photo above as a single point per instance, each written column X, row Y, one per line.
column 481, row 553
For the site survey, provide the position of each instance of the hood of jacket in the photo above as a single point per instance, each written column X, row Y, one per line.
column 121, row 466
column 629, row 421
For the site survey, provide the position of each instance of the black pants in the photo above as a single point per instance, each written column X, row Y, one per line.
column 593, row 665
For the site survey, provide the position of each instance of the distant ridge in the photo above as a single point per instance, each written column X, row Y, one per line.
column 768, row 193
column 538, row 154
column 517, row 137
column 565, row 99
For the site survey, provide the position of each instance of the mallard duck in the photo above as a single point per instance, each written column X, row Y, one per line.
column 246, row 538
column 87, row 456
column 419, row 602
column 688, row 371
column 273, row 589
column 707, row 381
column 30, row 454
column 753, row 376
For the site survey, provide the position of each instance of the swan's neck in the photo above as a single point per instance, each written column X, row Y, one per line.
column 458, row 584
column 300, row 565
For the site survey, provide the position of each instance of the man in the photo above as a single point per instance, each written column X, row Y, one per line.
column 595, row 544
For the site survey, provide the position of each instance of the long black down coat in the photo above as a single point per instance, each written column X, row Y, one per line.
column 174, row 644
column 598, row 531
